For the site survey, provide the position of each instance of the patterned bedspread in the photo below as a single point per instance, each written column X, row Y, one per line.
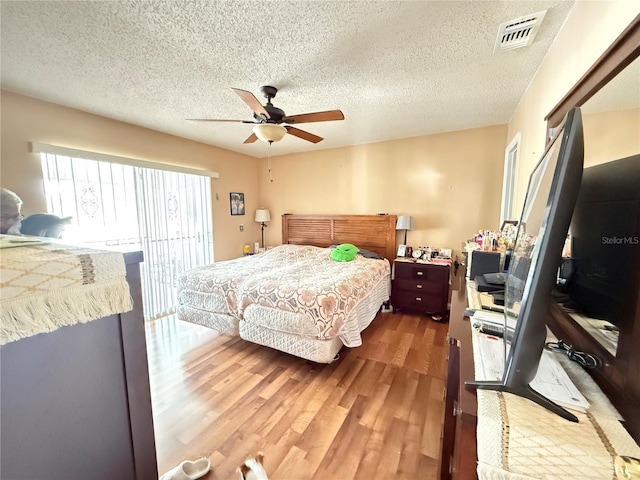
column 293, row 278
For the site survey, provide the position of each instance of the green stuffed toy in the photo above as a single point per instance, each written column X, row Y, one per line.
column 344, row 252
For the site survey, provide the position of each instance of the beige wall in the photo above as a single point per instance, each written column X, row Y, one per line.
column 589, row 29
column 26, row 119
column 610, row 136
column 450, row 183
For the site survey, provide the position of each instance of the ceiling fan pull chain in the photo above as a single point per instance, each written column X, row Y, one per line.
column 269, row 161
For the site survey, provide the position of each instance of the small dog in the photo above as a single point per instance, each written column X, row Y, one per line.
column 252, row 468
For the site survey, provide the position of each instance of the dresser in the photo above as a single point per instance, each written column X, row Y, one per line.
column 518, row 438
column 459, row 454
column 420, row 286
column 76, row 401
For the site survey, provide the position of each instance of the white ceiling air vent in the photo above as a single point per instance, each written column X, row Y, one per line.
column 519, row 32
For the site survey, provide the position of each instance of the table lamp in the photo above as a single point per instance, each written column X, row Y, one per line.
column 262, row 216
column 405, row 222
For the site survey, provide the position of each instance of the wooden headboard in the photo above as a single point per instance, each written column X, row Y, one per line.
column 376, row 233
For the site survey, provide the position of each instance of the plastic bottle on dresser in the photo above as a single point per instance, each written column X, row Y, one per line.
column 486, row 242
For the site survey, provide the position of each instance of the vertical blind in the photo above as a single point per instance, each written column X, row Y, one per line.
column 164, row 213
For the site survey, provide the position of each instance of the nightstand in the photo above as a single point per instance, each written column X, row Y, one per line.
column 420, row 286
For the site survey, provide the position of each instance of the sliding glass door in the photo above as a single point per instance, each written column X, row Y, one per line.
column 165, row 214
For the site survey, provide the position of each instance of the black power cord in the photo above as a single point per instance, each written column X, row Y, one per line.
column 586, row 360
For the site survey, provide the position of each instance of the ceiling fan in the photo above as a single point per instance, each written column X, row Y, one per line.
column 268, row 119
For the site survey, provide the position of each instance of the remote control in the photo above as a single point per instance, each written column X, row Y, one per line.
column 495, row 330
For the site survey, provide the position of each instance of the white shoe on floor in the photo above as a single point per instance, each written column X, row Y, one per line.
column 188, row 470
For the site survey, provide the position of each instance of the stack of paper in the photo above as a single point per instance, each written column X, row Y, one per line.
column 551, row 380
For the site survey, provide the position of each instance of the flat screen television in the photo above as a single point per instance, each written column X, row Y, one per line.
column 542, row 230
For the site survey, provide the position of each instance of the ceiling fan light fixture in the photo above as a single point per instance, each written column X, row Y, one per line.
column 269, row 132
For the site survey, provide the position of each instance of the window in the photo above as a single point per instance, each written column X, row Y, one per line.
column 165, row 214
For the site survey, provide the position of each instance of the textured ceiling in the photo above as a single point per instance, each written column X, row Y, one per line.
column 395, row 68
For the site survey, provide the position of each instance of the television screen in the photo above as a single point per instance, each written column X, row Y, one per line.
column 542, row 230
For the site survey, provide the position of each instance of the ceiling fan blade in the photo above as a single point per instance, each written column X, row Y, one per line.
column 251, row 138
column 310, row 137
column 218, row 120
column 251, row 100
column 327, row 116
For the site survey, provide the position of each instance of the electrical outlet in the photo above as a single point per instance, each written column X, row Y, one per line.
column 241, row 228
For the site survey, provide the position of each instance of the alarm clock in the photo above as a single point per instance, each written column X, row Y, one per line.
column 417, row 253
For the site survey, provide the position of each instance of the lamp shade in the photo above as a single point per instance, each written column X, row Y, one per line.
column 405, row 222
column 262, row 215
column 269, row 132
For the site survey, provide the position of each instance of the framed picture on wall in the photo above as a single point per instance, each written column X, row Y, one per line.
column 236, row 200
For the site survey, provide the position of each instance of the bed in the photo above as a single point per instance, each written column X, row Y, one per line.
column 294, row 297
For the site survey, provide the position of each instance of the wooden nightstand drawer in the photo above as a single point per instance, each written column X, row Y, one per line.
column 421, row 271
column 420, row 301
column 419, row 286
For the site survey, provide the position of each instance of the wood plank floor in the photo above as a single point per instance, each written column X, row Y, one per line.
column 373, row 414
